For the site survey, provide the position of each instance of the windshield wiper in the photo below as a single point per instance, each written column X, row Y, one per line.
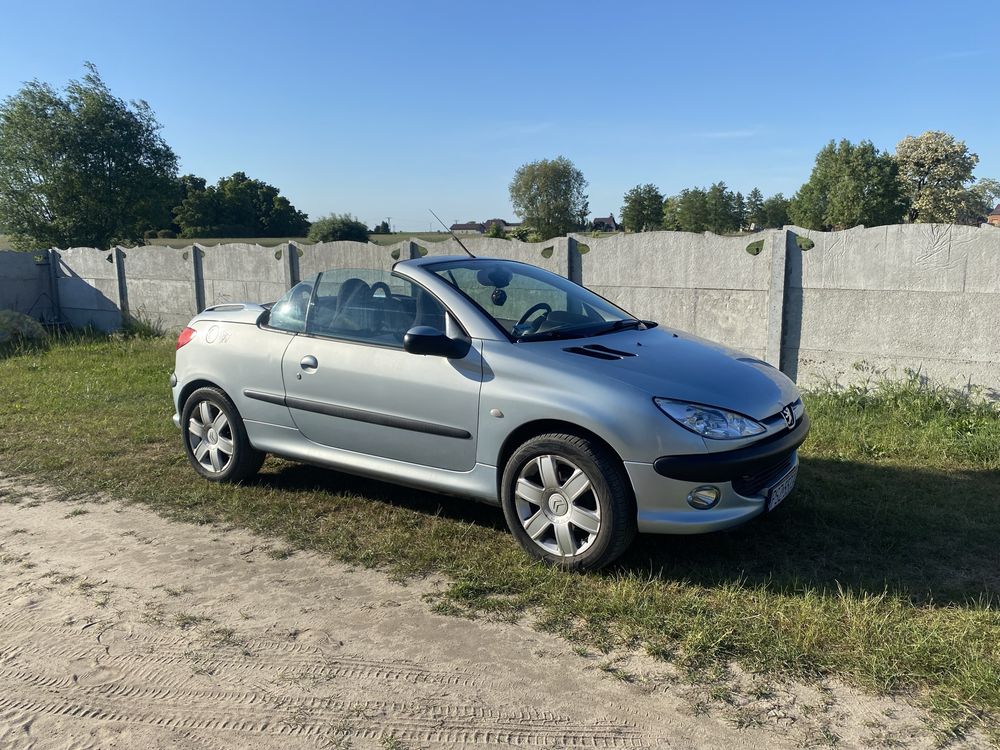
column 622, row 325
column 587, row 331
column 555, row 333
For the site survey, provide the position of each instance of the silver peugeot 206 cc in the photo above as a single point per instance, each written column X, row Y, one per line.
column 499, row 381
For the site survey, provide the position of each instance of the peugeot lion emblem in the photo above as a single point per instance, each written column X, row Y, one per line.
column 789, row 418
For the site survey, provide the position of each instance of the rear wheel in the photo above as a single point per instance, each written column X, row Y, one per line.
column 568, row 502
column 215, row 439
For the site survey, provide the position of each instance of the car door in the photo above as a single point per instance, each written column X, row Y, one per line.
column 349, row 383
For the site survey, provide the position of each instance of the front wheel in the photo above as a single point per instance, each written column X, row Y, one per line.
column 568, row 501
column 215, row 439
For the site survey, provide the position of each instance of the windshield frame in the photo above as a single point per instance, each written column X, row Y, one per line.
column 439, row 268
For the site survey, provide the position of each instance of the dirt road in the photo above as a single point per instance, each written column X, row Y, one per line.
column 119, row 628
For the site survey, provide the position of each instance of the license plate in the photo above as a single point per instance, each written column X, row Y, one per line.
column 782, row 489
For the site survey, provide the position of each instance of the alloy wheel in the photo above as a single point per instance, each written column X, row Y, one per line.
column 210, row 436
column 557, row 505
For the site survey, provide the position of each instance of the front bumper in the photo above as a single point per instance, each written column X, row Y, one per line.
column 663, row 508
column 744, row 477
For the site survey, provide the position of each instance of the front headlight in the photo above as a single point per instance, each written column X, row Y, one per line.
column 709, row 421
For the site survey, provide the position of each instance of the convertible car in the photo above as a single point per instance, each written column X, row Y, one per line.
column 498, row 381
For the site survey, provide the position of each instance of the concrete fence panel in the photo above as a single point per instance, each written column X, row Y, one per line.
column 88, row 288
column 553, row 255
column 160, row 284
column 24, row 284
column 242, row 272
column 340, row 255
column 707, row 285
column 922, row 297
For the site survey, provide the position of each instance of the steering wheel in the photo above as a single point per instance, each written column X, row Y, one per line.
column 524, row 327
column 383, row 286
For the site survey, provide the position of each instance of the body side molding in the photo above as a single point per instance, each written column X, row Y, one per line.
column 360, row 415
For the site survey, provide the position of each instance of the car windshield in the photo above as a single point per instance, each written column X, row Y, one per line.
column 532, row 304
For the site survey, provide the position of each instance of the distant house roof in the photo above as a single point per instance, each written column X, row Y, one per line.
column 502, row 222
column 995, row 211
column 469, row 226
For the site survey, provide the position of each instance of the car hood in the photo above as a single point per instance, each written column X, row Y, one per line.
column 673, row 364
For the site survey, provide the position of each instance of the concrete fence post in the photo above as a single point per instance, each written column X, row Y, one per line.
column 118, row 260
column 574, row 261
column 777, row 243
column 52, row 255
column 199, row 278
column 412, row 251
column 292, row 273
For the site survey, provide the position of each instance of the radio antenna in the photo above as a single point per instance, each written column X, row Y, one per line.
column 452, row 234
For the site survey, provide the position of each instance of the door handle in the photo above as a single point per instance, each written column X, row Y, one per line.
column 309, row 362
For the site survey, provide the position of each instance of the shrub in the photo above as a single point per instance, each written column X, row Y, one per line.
column 149, row 234
column 524, row 233
column 166, row 234
column 338, row 227
column 17, row 330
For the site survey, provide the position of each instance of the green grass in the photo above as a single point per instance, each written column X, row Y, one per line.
column 882, row 568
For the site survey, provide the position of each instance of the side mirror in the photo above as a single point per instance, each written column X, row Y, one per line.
column 427, row 340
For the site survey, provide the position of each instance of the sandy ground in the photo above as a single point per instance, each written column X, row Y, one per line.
column 121, row 629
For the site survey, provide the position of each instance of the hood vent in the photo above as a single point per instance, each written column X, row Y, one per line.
column 597, row 351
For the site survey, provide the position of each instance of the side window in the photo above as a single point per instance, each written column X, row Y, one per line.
column 289, row 312
column 369, row 306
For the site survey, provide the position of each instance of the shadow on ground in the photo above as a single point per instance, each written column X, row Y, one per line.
column 930, row 536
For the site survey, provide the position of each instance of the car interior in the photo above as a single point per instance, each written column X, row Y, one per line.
column 373, row 312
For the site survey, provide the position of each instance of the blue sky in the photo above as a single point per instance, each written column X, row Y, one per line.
column 386, row 109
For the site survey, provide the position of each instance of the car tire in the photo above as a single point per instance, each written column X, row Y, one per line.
column 215, row 438
column 568, row 501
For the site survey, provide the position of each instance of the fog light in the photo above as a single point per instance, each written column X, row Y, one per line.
column 703, row 498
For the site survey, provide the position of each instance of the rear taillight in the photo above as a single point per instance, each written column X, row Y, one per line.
column 186, row 335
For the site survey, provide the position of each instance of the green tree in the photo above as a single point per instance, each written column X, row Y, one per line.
column 981, row 198
column 496, row 230
column 82, row 166
column 692, row 210
column 549, row 196
column 755, row 209
column 720, row 204
column 338, row 227
column 935, row 170
column 643, row 209
column 774, row 212
column 237, row 206
column 850, row 185
column 739, row 211
column 198, row 213
column 671, row 215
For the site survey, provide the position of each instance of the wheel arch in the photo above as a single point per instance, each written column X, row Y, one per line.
column 522, row 433
column 194, row 385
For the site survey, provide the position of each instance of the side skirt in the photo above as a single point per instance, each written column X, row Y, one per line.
column 479, row 483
